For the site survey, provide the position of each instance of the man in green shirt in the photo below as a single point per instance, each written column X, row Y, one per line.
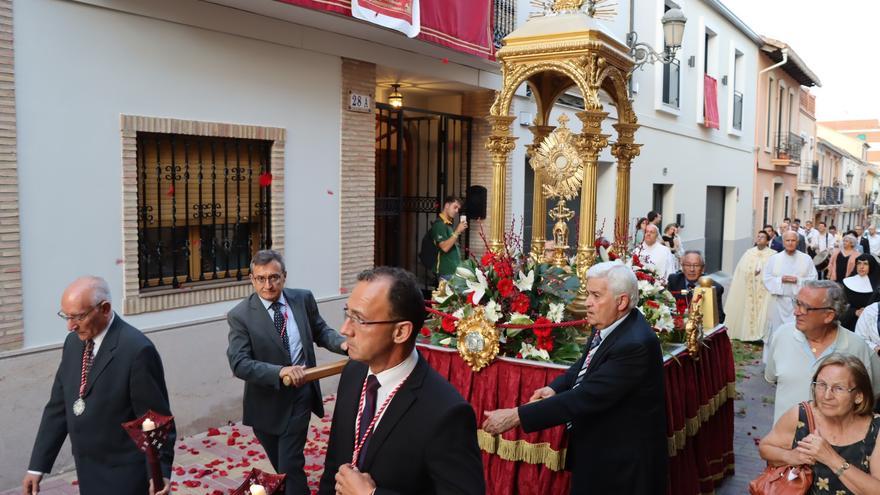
column 446, row 238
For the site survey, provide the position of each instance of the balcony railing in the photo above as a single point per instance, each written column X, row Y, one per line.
column 505, row 20
column 831, row 195
column 737, row 110
column 788, row 147
column 808, row 175
column 815, row 171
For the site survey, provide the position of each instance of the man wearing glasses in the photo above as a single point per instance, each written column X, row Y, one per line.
column 797, row 348
column 398, row 426
column 110, row 373
column 271, row 337
column 682, row 283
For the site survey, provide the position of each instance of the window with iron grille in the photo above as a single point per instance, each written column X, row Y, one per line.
column 203, row 208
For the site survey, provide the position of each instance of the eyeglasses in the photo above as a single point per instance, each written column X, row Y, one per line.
column 357, row 320
column 80, row 317
column 272, row 279
column 807, row 308
column 821, row 388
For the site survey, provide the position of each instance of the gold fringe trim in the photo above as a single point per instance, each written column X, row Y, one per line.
column 677, row 440
column 521, row 451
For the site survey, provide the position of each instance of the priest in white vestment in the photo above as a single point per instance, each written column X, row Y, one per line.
column 784, row 275
column 748, row 294
column 653, row 252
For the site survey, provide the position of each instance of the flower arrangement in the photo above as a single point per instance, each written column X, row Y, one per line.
column 525, row 300
column 656, row 303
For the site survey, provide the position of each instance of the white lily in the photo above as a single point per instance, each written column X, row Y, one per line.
column 492, row 311
column 479, row 287
column 525, row 282
column 528, row 350
column 556, row 312
column 464, row 273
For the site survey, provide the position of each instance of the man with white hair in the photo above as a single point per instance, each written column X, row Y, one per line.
column 655, row 253
column 612, row 399
column 110, row 373
column 784, row 275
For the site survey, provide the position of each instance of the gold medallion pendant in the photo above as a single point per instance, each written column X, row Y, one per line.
column 477, row 339
column 79, row 406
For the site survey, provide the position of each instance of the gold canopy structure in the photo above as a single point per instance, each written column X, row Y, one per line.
column 552, row 53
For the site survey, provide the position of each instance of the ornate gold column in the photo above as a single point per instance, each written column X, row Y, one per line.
column 499, row 144
column 590, row 141
column 539, row 202
column 625, row 150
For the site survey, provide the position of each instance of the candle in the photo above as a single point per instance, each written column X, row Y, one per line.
column 148, row 425
column 258, row 490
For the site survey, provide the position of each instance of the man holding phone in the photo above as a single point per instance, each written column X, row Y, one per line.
column 446, row 237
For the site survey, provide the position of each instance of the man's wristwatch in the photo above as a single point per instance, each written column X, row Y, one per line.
column 840, row 470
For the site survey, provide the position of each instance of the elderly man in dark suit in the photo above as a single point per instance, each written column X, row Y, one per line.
column 612, row 399
column 271, row 336
column 682, row 283
column 110, row 373
column 398, row 427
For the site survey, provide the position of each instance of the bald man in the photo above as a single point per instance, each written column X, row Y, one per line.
column 784, row 276
column 655, row 253
column 110, row 373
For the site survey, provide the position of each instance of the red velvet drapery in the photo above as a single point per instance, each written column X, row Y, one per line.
column 699, row 405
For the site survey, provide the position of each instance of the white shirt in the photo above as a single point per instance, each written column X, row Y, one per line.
column 658, row 255
column 791, row 364
column 391, row 378
column 824, row 242
column 874, row 243
column 866, row 327
column 290, row 323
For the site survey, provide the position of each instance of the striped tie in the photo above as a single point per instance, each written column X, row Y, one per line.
column 594, row 344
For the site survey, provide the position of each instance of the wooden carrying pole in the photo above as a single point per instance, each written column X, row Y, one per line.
column 319, row 372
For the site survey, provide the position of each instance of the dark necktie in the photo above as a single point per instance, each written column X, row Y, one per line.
column 279, row 325
column 368, row 413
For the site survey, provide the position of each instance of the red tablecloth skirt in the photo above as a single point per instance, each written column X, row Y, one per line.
column 699, row 407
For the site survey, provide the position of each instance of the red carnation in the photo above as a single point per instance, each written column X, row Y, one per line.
column 545, row 343
column 681, row 305
column 543, row 328
column 448, row 324
column 487, row 258
column 505, row 287
column 503, row 268
column 520, row 304
column 652, row 304
column 425, row 331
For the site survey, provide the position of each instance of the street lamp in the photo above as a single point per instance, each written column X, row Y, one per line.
column 849, row 178
column 673, row 22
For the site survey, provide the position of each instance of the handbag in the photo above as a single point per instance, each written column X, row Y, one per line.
column 785, row 480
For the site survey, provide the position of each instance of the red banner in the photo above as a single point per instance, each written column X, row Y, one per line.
column 710, row 105
column 462, row 25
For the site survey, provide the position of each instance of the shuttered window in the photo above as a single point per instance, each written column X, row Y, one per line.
column 203, row 208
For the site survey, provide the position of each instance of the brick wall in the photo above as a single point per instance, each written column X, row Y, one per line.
column 11, row 324
column 357, row 175
column 476, row 104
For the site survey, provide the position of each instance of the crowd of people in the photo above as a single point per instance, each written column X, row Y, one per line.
column 810, row 296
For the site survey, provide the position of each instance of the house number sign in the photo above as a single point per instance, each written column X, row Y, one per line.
column 358, row 102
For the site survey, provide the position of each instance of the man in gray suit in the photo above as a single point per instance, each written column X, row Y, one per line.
column 271, row 336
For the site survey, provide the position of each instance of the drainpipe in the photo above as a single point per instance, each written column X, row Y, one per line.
column 783, row 62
